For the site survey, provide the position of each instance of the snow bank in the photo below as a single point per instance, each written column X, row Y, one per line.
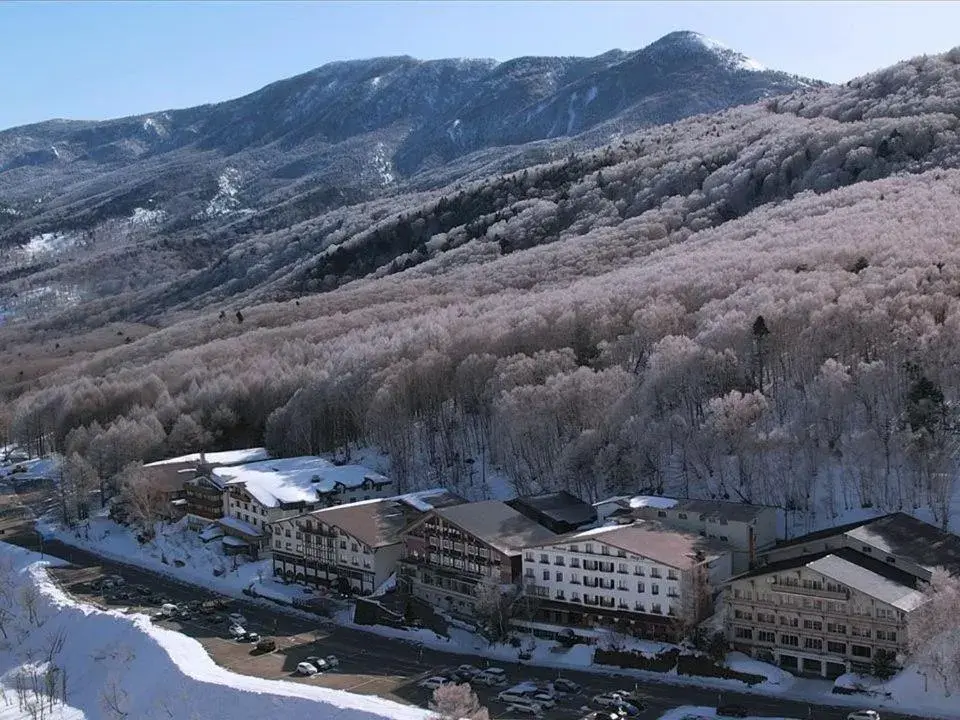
column 126, row 666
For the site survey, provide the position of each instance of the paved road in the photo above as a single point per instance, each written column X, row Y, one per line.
column 388, row 667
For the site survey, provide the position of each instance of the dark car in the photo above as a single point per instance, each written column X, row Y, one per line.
column 566, row 686
column 734, row 711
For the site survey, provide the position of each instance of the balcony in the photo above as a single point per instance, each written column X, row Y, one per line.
column 819, row 593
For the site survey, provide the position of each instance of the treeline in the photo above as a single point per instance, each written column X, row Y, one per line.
column 727, row 307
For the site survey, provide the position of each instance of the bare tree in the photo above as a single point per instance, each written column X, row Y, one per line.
column 492, row 607
column 933, row 632
column 457, row 702
column 143, row 503
column 29, row 600
column 115, row 701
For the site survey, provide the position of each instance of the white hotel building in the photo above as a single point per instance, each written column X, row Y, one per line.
column 642, row 579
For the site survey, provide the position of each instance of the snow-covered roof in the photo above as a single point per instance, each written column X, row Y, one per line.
column 237, row 525
column 427, row 500
column 292, row 480
column 211, row 532
column 654, row 501
column 227, row 457
column 232, row 541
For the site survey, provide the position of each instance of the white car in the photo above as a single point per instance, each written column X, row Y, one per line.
column 432, row 683
column 864, row 715
column 526, row 706
column 237, row 631
column 306, row 669
column 328, row 663
column 492, row 676
column 608, row 700
column 237, row 619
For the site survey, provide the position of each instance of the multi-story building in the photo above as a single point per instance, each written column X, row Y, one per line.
column 451, row 551
column 204, row 499
column 643, row 579
column 352, row 547
column 827, row 602
column 746, row 529
column 261, row 493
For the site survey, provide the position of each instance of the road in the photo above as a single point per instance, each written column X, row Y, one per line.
column 390, row 668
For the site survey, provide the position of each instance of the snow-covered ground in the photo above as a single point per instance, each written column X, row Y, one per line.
column 92, row 664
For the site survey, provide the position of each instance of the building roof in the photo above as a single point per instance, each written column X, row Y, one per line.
column 227, row 457
column 169, row 477
column 559, row 506
column 651, row 540
column 292, row 480
column 732, row 511
column 865, row 574
column 229, row 523
column 900, row 535
column 497, row 524
column 379, row 522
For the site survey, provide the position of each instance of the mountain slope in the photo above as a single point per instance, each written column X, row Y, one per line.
column 587, row 323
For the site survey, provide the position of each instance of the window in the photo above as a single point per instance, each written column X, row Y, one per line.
column 638, row 570
column 655, row 572
column 742, row 615
column 299, row 536
column 743, row 633
column 682, row 516
column 622, row 568
column 790, row 640
column 672, row 575
column 766, row 636
column 588, row 548
column 655, row 589
column 661, row 513
column 528, row 557
column 639, row 607
column 641, row 588
column 604, row 550
column 812, row 644
column 343, row 544
column 574, row 578
column 353, row 547
column 860, row 651
column 546, row 574
column 559, row 577
column 622, row 585
column 621, row 553
column 812, row 625
column 574, row 562
column 559, row 595
column 286, row 533
column 867, row 549
column 544, row 558
column 723, row 538
column 573, row 548
column 655, row 608
column 558, row 560
column 837, row 628
column 837, row 648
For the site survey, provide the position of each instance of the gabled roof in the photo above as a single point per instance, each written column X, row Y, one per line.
column 651, row 540
column 860, row 572
column 899, row 535
column 497, row 524
column 379, row 522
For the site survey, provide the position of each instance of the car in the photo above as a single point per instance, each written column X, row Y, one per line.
column 511, row 696
column 170, row 610
column 526, row 706
column 628, row 709
column 184, row 614
column 543, row 699
column 735, row 711
column 432, row 683
column 864, row 715
column 329, row 662
column 237, row 631
column 249, row 637
column 609, row 700
column 566, row 686
column 266, row 645
column 237, row 619
column 306, row 669
column 466, row 672
column 491, row 676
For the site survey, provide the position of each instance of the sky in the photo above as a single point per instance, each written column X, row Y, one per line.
column 97, row 60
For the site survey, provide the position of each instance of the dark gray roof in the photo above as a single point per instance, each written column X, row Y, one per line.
column 497, row 524
column 853, row 569
column 900, row 535
column 561, row 506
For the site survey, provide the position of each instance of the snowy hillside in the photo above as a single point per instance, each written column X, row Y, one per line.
column 95, row 665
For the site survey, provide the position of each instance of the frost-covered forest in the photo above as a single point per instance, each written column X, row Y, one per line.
column 762, row 304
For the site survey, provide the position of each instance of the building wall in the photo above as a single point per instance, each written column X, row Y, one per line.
column 442, row 565
column 591, row 575
column 811, row 623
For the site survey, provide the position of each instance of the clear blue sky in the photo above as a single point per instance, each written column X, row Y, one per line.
column 89, row 60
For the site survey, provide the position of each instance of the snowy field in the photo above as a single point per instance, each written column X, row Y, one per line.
column 98, row 665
